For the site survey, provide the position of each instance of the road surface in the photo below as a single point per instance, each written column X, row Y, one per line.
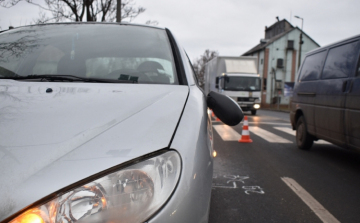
column 270, row 180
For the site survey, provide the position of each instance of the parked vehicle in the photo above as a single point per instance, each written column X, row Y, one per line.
column 236, row 77
column 103, row 123
column 326, row 98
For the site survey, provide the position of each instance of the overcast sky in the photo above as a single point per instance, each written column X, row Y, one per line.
column 230, row 27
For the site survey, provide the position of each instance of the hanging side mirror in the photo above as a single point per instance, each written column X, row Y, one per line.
column 225, row 108
column 217, row 82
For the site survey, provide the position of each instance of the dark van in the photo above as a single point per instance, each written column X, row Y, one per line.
column 326, row 99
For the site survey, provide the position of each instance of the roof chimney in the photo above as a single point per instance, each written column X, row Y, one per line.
column 263, row 41
column 277, row 17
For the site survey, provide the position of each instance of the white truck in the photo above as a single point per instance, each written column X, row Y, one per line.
column 236, row 77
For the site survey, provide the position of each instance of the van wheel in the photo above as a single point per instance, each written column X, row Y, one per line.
column 304, row 140
column 253, row 112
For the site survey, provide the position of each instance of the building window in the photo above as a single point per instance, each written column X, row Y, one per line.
column 290, row 44
column 261, row 61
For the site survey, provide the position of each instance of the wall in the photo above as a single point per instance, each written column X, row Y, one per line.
column 278, row 50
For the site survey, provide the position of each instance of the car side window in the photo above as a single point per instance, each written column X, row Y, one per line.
column 312, row 66
column 341, row 61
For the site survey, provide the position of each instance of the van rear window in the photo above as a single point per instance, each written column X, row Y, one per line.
column 341, row 61
column 312, row 66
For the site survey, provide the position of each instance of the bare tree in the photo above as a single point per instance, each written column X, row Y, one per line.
column 78, row 10
column 152, row 23
column 199, row 65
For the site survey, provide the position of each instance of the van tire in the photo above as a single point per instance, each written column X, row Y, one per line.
column 253, row 112
column 304, row 140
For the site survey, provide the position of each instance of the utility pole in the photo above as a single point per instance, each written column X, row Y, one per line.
column 118, row 11
column 300, row 42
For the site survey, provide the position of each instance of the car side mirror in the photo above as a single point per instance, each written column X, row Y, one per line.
column 216, row 86
column 225, row 108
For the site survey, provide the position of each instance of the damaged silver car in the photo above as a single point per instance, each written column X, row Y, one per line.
column 103, row 123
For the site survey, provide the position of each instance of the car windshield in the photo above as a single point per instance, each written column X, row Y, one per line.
column 242, row 83
column 116, row 52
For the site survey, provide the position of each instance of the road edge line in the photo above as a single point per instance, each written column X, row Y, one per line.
column 310, row 201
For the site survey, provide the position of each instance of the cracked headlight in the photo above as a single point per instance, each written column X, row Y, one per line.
column 132, row 194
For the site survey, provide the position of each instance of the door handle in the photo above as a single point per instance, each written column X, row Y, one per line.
column 351, row 86
column 344, row 86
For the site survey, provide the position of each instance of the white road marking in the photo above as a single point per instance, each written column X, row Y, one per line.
column 287, row 130
column 265, row 123
column 313, row 204
column 268, row 136
column 227, row 133
column 322, row 142
column 292, row 132
column 270, row 123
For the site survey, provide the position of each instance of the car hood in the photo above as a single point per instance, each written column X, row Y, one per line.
column 55, row 134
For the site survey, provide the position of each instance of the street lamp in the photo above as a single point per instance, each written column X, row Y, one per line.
column 300, row 42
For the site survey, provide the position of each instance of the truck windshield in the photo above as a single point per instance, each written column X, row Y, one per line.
column 242, row 83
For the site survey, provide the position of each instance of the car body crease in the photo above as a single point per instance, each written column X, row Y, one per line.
column 177, row 125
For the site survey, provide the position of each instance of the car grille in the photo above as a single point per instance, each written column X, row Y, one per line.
column 247, row 99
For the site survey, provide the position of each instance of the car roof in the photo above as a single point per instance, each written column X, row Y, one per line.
column 333, row 44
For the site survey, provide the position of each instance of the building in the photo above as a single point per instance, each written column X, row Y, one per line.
column 278, row 59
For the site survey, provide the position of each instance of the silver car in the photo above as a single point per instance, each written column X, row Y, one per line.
column 103, row 123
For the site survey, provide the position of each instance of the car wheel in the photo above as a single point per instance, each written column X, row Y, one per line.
column 304, row 140
column 253, row 112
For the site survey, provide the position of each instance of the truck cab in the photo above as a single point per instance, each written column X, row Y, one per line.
column 245, row 89
column 236, row 77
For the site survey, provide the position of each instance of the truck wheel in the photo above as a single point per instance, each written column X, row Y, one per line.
column 304, row 140
column 253, row 112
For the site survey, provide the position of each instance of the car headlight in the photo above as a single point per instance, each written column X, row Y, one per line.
column 132, row 194
column 256, row 106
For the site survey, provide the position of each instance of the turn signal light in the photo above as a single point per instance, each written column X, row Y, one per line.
column 32, row 216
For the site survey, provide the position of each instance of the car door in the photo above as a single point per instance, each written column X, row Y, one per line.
column 305, row 89
column 352, row 105
column 331, row 93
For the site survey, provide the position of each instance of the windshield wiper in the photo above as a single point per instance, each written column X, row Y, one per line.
column 65, row 77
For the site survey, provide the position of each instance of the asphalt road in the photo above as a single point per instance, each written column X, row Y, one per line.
column 249, row 178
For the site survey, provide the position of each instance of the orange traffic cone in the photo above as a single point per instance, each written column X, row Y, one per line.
column 245, row 135
column 212, row 114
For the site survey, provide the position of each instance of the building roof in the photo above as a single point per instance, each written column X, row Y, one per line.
column 261, row 46
column 277, row 28
column 273, row 25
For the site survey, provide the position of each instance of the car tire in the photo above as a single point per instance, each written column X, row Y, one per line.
column 304, row 140
column 253, row 112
